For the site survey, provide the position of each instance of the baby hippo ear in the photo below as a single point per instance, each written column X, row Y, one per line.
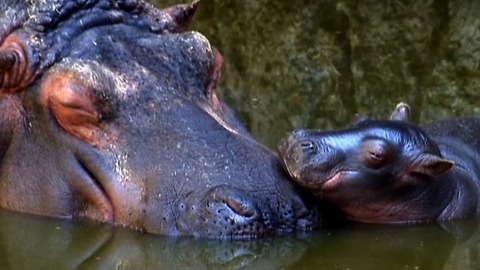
column 431, row 165
column 401, row 112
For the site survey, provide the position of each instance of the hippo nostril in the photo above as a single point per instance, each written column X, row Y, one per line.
column 240, row 208
column 307, row 145
column 234, row 203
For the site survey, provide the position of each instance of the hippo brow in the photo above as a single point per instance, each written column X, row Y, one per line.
column 47, row 14
column 53, row 24
column 12, row 15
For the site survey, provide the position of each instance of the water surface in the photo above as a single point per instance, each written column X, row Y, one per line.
column 28, row 242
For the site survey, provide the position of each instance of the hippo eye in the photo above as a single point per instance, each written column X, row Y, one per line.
column 376, row 153
column 16, row 71
column 7, row 60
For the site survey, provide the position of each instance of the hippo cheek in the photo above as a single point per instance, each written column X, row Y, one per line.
column 73, row 107
column 353, row 189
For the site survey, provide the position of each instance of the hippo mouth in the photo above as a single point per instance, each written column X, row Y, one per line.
column 334, row 181
column 323, row 185
column 313, row 181
column 92, row 186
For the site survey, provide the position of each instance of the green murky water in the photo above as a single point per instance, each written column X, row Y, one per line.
column 309, row 64
column 28, row 242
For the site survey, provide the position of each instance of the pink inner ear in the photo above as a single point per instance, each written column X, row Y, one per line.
column 71, row 102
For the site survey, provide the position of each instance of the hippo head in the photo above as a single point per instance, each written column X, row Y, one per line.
column 377, row 171
column 109, row 111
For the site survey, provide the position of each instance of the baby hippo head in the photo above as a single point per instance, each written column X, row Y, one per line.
column 373, row 171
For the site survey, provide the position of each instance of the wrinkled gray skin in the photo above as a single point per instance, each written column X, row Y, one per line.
column 109, row 111
column 391, row 171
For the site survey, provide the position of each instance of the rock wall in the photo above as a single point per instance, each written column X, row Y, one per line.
column 317, row 63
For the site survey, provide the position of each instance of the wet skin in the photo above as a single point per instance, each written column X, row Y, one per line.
column 391, row 171
column 109, row 111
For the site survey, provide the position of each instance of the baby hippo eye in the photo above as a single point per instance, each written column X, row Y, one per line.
column 376, row 153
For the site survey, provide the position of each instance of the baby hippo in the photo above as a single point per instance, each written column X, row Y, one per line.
column 391, row 171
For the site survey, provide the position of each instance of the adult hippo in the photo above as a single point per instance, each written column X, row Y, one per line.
column 391, row 171
column 109, row 111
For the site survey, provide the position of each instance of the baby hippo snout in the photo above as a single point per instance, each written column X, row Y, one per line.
column 295, row 149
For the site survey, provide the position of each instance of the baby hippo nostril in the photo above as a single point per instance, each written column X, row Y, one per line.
column 293, row 140
column 240, row 208
column 307, row 145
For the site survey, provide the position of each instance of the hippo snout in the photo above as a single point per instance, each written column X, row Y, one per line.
column 295, row 149
column 298, row 141
column 227, row 212
column 311, row 160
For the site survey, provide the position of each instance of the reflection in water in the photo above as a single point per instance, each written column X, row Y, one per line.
column 28, row 242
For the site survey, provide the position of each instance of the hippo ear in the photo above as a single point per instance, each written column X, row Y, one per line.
column 181, row 15
column 430, row 165
column 401, row 112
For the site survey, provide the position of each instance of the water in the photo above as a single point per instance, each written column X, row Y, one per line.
column 28, row 242
column 309, row 64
